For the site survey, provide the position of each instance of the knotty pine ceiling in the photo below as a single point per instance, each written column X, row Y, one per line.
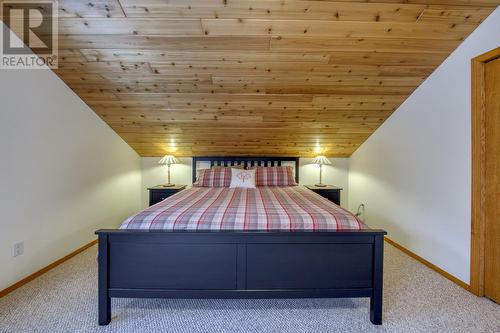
column 277, row 77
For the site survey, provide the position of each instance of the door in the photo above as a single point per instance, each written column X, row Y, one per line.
column 492, row 182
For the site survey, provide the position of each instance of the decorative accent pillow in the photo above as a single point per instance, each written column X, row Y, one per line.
column 242, row 178
column 218, row 177
column 274, row 176
column 198, row 171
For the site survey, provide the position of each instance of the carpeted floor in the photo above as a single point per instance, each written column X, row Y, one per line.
column 416, row 299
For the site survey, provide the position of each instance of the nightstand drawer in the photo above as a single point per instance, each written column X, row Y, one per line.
column 329, row 192
column 159, row 193
column 333, row 196
column 157, row 196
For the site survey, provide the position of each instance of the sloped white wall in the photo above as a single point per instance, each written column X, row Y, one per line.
column 63, row 172
column 414, row 173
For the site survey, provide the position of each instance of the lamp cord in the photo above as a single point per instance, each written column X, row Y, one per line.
column 361, row 212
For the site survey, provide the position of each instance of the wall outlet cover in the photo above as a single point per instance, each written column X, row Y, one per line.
column 17, row 249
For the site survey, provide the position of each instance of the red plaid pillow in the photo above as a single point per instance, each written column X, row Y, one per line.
column 216, row 177
column 274, row 176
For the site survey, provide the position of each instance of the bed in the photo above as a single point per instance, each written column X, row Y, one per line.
column 267, row 242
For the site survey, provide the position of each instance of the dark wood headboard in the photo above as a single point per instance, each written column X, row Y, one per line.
column 247, row 161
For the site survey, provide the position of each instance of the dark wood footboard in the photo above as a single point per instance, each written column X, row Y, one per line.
column 184, row 264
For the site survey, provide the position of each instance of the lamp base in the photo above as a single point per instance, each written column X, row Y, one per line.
column 168, row 185
column 320, row 185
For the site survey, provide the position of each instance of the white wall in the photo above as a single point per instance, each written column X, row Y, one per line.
column 414, row 172
column 63, row 172
column 154, row 174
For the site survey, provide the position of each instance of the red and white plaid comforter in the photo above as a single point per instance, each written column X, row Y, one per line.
column 291, row 208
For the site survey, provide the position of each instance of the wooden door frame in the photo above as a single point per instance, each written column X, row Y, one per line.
column 478, row 223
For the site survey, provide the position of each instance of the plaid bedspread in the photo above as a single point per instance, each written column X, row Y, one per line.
column 263, row 208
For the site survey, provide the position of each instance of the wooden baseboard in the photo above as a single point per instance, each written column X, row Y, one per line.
column 45, row 269
column 428, row 264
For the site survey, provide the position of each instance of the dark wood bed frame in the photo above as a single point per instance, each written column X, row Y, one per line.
column 240, row 264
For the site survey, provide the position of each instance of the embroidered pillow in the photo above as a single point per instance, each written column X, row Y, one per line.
column 217, row 177
column 274, row 176
column 242, row 178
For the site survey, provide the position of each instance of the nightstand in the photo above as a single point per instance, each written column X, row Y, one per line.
column 160, row 193
column 330, row 192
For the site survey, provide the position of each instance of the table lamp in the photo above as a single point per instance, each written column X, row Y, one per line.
column 168, row 160
column 321, row 160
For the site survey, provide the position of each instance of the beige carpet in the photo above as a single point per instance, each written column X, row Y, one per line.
column 416, row 299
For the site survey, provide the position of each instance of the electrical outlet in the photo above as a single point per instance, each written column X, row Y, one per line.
column 17, row 249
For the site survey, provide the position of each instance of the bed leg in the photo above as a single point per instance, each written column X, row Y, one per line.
column 376, row 310
column 376, row 298
column 104, row 310
column 104, row 302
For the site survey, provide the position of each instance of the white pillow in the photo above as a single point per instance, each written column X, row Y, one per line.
column 242, row 178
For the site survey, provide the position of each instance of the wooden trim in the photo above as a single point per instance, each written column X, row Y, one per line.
column 488, row 56
column 478, row 171
column 44, row 270
column 428, row 264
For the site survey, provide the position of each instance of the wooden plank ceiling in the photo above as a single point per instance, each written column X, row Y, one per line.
column 240, row 77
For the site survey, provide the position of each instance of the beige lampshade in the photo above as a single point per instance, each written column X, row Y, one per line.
column 321, row 160
column 168, row 159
